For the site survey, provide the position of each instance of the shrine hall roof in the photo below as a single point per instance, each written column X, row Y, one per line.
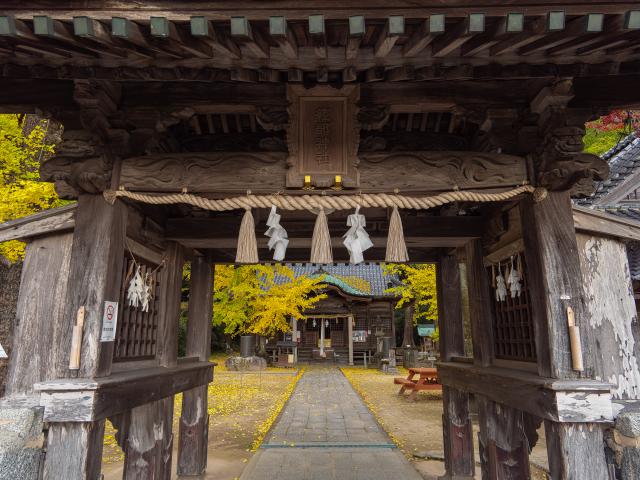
column 363, row 280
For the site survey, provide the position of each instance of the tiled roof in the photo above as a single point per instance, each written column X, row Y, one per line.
column 628, row 212
column 365, row 279
column 624, row 160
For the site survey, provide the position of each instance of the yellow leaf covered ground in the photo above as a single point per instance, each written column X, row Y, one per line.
column 242, row 408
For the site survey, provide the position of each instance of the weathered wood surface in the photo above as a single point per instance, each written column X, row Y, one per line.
column 149, row 442
column 457, row 428
column 480, row 310
column 555, row 283
column 169, row 313
column 418, row 171
column 575, row 450
column 206, row 172
column 194, row 420
column 450, row 305
column 95, row 272
column 194, row 432
column 557, row 400
column 503, row 445
column 74, row 450
column 611, row 313
column 43, row 223
column 40, row 313
column 86, row 399
column 439, row 171
column 457, row 431
column 605, row 225
column 323, row 134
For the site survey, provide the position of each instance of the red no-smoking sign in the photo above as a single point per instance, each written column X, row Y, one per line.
column 109, row 320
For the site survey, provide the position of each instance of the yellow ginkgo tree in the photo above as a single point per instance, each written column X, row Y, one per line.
column 261, row 299
column 417, row 290
column 21, row 193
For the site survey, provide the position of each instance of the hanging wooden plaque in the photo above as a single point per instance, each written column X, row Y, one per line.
column 323, row 135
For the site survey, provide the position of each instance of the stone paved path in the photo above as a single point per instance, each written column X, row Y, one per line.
column 326, row 432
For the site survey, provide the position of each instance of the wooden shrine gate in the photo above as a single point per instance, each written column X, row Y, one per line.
column 183, row 115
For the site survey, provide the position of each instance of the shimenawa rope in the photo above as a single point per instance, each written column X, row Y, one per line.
column 315, row 202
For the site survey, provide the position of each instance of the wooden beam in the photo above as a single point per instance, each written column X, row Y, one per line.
column 171, row 37
column 452, row 39
column 86, row 399
column 534, row 30
column 45, row 26
column 25, row 39
column 47, row 222
column 566, row 401
column 602, row 224
column 429, row 29
column 318, row 35
column 282, row 34
column 486, row 40
column 573, row 29
column 95, row 31
column 612, row 27
column 393, row 29
column 202, row 28
column 357, row 29
column 253, row 41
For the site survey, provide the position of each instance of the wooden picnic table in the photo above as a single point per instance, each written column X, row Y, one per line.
column 427, row 380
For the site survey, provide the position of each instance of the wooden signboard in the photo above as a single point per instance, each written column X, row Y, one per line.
column 323, row 135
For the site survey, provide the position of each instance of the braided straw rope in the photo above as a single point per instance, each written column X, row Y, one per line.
column 311, row 202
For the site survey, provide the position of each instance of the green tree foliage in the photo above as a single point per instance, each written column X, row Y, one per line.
column 249, row 300
column 418, row 287
column 21, row 192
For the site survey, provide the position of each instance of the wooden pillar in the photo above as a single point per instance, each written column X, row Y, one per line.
column 95, row 270
column 504, row 449
column 555, row 283
column 575, row 450
column 74, row 450
column 194, row 421
column 350, row 334
column 456, row 421
column 479, row 305
column 149, row 444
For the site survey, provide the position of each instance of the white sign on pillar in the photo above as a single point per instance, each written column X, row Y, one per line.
column 109, row 321
column 3, row 354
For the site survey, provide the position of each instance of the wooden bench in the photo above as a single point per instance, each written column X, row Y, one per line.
column 427, row 380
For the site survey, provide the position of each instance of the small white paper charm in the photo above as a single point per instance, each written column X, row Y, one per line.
column 513, row 280
column 356, row 239
column 136, row 289
column 278, row 239
column 501, row 288
column 147, row 289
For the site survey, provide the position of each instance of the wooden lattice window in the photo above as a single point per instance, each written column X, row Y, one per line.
column 137, row 331
column 513, row 331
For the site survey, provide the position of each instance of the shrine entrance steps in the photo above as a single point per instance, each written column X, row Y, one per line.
column 326, row 432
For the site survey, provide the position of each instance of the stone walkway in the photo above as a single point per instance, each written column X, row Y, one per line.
column 326, row 432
